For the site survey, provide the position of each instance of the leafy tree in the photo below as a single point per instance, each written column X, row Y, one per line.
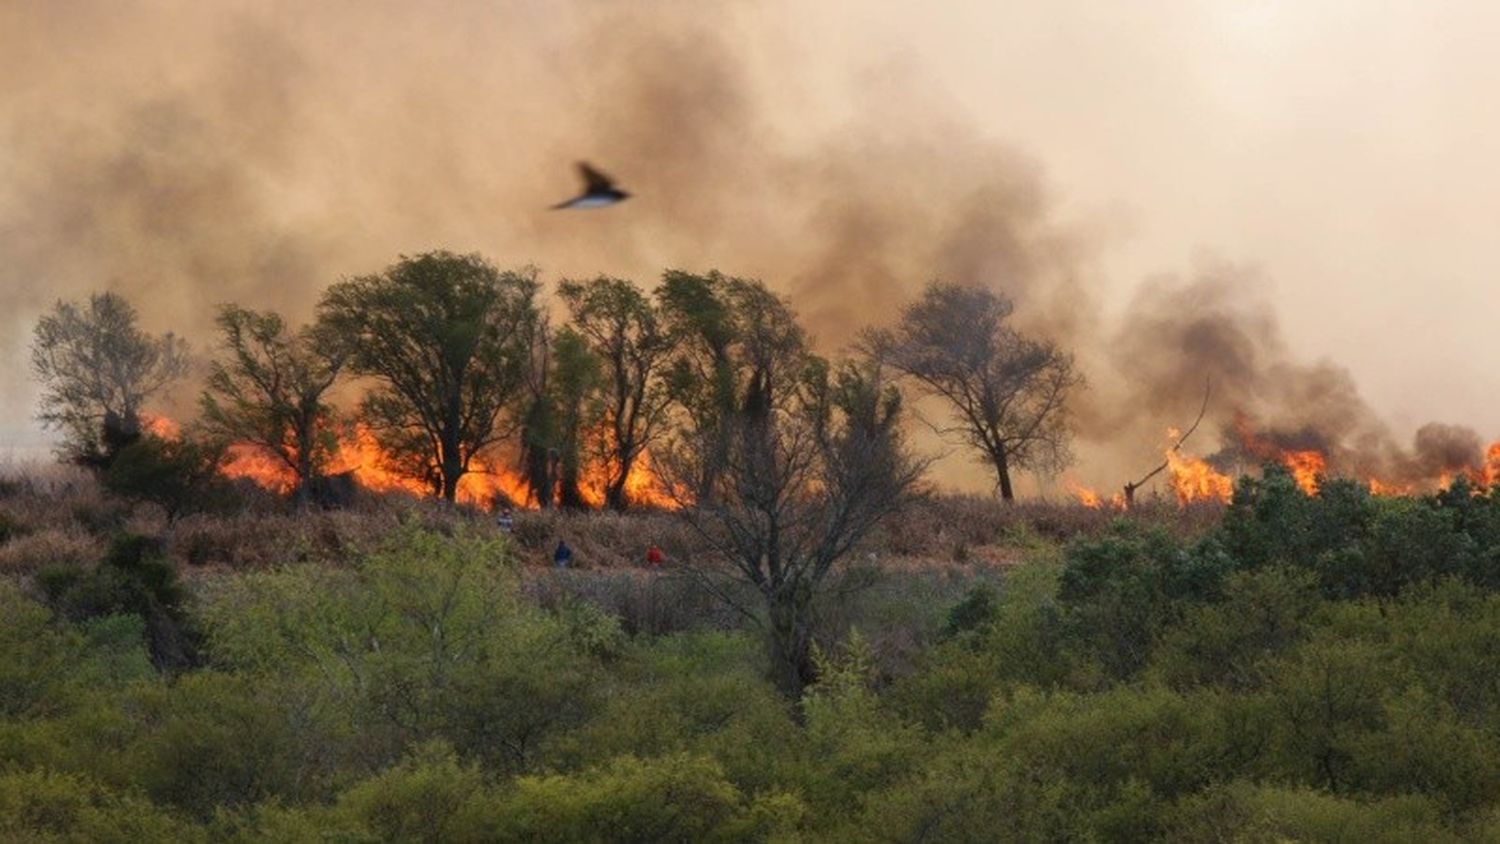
column 1008, row 392
column 179, row 475
column 446, row 336
column 97, row 369
column 268, row 390
column 564, row 405
column 621, row 327
column 736, row 348
column 577, row 407
column 797, row 488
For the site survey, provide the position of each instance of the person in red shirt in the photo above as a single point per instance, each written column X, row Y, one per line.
column 653, row 556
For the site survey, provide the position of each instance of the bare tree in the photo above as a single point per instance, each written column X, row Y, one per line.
column 97, row 370
column 267, row 389
column 1007, row 392
column 796, row 488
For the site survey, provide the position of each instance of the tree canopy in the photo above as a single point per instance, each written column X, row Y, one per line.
column 97, row 369
column 1007, row 392
column 444, row 336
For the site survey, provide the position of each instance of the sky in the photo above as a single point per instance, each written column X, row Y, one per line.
column 1324, row 175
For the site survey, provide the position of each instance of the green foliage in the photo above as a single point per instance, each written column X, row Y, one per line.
column 35, row 657
column 623, row 331
column 267, row 386
column 1121, row 591
column 1244, row 811
column 977, row 611
column 135, row 579
column 428, row 796
column 51, row 806
column 1268, row 688
column 674, row 798
column 424, row 639
column 178, row 475
column 446, row 336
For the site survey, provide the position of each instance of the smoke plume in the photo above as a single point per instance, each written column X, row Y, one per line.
column 188, row 154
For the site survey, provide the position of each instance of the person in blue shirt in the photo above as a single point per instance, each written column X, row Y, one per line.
column 563, row 556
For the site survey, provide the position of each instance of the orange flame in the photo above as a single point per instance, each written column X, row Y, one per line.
column 1092, row 499
column 1381, row 488
column 160, row 426
column 1194, row 480
column 1306, row 468
column 359, row 453
column 1084, row 495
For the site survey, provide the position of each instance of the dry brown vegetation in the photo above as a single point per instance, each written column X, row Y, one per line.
column 52, row 515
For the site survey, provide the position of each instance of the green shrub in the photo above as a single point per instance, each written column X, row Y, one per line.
column 36, row 659
column 46, row 805
column 178, row 475
column 429, row 796
column 210, row 740
column 1243, row 811
column 135, row 578
column 674, row 798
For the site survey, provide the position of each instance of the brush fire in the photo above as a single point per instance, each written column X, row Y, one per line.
column 1196, row 479
column 358, row 455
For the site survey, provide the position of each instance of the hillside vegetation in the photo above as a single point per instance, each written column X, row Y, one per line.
column 1294, row 668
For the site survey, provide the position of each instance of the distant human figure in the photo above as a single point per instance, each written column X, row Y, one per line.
column 563, row 556
column 653, row 555
column 506, row 520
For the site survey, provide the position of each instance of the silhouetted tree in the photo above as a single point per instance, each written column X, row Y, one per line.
column 1008, row 392
column 178, row 474
column 795, row 489
column 97, row 370
column 577, row 406
column 267, row 389
column 446, row 336
column 621, row 328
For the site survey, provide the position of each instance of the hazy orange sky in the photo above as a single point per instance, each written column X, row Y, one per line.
column 1342, row 157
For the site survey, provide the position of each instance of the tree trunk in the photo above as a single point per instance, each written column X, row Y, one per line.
column 615, row 497
column 451, row 464
column 1002, row 473
column 304, row 459
column 451, row 468
column 791, row 642
column 569, row 496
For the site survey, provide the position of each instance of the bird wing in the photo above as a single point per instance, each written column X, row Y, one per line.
column 593, row 180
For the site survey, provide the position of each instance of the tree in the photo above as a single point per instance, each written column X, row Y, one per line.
column 539, row 421
column 446, row 337
column 268, row 390
column 575, row 395
column 1008, row 392
column 735, row 345
column 563, row 388
column 178, row 474
column 97, row 370
column 621, row 328
column 796, row 488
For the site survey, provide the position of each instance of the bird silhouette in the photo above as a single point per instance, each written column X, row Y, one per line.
column 599, row 190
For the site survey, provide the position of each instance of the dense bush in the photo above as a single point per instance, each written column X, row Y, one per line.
column 1312, row 668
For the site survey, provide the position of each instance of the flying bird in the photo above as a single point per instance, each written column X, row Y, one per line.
column 599, row 190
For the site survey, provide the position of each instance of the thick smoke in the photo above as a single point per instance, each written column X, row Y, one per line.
column 1178, row 337
column 188, row 154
